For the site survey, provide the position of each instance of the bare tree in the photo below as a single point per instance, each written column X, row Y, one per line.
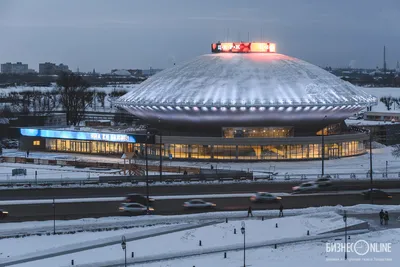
column 75, row 96
column 388, row 101
column 115, row 94
column 101, row 96
column 396, row 151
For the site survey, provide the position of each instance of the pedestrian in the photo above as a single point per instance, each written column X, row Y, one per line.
column 185, row 172
column 27, row 153
column 381, row 216
column 386, row 217
column 250, row 212
column 212, row 167
column 281, row 211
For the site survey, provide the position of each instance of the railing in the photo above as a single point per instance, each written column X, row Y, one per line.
column 190, row 178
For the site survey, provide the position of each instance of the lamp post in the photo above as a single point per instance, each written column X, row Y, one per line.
column 160, row 133
column 345, row 234
column 54, row 216
column 243, row 229
column 123, row 245
column 323, row 150
column 147, row 174
column 370, row 166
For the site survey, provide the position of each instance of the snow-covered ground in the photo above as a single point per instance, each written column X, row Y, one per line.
column 56, row 172
column 358, row 164
column 379, row 92
column 221, row 234
column 311, row 254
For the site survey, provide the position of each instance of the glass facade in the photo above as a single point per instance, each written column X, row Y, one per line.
column 212, row 152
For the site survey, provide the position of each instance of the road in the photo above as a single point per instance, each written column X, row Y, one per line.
column 174, row 206
column 179, row 189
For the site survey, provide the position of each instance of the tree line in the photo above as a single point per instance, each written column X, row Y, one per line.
column 391, row 102
column 72, row 95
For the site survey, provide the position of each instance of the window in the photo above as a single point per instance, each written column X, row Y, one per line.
column 36, row 143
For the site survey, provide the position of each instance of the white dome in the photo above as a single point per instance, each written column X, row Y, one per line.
column 245, row 79
column 245, row 89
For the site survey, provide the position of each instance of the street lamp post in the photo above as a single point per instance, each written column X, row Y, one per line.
column 243, row 229
column 345, row 234
column 54, row 216
column 370, row 166
column 160, row 155
column 123, row 245
column 323, row 150
column 147, row 174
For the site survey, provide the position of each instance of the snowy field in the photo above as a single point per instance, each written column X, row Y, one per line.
column 212, row 237
column 379, row 92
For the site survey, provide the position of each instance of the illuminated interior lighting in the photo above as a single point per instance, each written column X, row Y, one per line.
column 223, row 108
column 178, row 108
column 298, row 108
column 186, row 108
column 271, row 108
column 170, row 108
column 163, row 108
column 195, row 108
column 252, row 109
column 261, row 109
column 214, row 109
column 204, row 109
column 243, row 108
column 233, row 109
column 281, row 108
column 314, row 108
column 289, row 109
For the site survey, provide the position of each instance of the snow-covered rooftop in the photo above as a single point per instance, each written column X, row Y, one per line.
column 246, row 79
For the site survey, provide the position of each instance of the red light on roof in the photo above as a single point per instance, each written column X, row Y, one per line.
column 243, row 47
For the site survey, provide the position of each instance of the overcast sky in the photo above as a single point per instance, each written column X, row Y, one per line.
column 156, row 33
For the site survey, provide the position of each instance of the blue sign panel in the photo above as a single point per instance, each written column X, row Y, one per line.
column 108, row 137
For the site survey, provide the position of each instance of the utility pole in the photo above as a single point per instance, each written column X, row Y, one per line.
column 370, row 166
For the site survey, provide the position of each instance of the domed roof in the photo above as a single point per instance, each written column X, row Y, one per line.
column 244, row 80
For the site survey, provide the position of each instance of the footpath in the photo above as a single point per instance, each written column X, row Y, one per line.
column 221, row 249
column 68, row 249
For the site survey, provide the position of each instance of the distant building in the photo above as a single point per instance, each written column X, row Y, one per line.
column 136, row 72
column 14, row 68
column 49, row 68
column 118, row 72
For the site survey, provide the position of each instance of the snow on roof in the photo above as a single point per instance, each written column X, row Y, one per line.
column 368, row 123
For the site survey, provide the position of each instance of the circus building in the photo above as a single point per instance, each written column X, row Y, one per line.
column 244, row 102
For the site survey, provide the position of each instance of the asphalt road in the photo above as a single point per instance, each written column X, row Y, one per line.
column 185, row 189
column 174, row 206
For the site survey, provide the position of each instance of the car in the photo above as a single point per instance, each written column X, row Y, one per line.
column 375, row 194
column 305, row 187
column 198, row 204
column 138, row 198
column 3, row 214
column 134, row 208
column 324, row 181
column 264, row 197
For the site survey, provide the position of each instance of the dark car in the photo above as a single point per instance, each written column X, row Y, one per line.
column 375, row 194
column 3, row 214
column 261, row 197
column 138, row 198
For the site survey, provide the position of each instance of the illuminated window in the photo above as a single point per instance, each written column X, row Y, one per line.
column 36, row 143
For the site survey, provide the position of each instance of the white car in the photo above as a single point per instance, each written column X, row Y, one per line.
column 135, row 208
column 264, row 197
column 324, row 181
column 198, row 204
column 304, row 187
